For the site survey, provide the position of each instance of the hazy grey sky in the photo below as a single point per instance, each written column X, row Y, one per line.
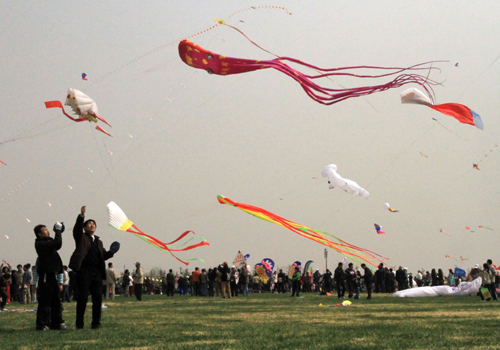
column 255, row 138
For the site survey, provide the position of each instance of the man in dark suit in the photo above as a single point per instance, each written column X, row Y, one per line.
column 88, row 262
column 368, row 277
column 48, row 267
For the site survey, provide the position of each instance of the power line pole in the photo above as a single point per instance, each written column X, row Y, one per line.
column 326, row 259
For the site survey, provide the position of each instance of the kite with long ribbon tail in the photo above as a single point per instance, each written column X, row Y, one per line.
column 355, row 253
column 118, row 220
column 213, row 63
column 82, row 105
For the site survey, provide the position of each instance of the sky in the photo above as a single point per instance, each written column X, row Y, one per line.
column 181, row 136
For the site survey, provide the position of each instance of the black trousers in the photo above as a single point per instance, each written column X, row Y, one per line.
column 492, row 290
column 170, row 289
column 138, row 291
column 89, row 281
column 351, row 285
column 3, row 295
column 49, row 305
column 295, row 288
column 340, row 288
column 369, row 290
column 211, row 288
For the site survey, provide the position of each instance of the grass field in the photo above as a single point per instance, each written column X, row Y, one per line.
column 265, row 321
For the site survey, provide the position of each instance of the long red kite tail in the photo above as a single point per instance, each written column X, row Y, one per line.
column 180, row 237
column 58, row 104
column 101, row 130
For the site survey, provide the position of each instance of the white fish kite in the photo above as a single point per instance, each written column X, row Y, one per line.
column 460, row 112
column 349, row 186
column 82, row 105
column 463, row 289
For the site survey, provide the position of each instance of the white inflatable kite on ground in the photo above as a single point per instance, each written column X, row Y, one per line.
column 349, row 186
column 462, row 289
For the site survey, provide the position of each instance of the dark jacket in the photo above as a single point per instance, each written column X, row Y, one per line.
column 368, row 277
column 224, row 269
column 49, row 260
column 400, row 275
column 339, row 274
column 350, row 274
column 82, row 246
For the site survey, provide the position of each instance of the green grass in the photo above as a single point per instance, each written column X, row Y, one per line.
column 265, row 321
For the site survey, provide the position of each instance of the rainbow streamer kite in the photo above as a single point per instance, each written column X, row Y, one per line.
column 118, row 220
column 320, row 237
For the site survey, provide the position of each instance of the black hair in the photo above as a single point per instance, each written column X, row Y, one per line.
column 110, row 264
column 6, row 276
column 85, row 223
column 489, row 261
column 38, row 229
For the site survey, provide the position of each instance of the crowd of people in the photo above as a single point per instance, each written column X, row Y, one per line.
column 227, row 282
column 50, row 283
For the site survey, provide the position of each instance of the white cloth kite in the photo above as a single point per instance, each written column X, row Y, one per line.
column 462, row 289
column 349, row 186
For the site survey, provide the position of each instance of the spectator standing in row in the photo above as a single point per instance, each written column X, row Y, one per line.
column 225, row 288
column 368, row 279
column 339, row 278
column 26, row 290
column 138, row 281
column 65, row 292
column 49, row 266
column 170, row 283
column 110, row 282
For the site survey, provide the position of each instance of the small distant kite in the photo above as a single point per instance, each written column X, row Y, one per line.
column 6, row 236
column 460, row 112
column 49, row 204
column 379, row 229
column 442, row 231
column 28, row 220
column 119, row 220
column 70, row 187
column 480, row 226
column 475, row 166
column 197, row 57
column 456, row 64
column 2, row 162
column 424, row 155
column 388, row 207
column 82, row 106
column 84, row 76
column 349, row 186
